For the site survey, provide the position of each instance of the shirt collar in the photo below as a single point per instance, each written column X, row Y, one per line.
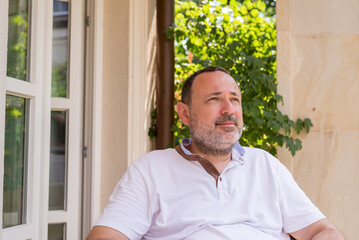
column 237, row 152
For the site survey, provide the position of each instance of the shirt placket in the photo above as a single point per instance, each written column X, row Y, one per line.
column 222, row 192
column 222, row 183
column 220, row 178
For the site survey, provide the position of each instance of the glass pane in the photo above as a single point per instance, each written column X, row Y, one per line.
column 58, row 150
column 60, row 49
column 14, row 202
column 18, row 39
column 56, row 231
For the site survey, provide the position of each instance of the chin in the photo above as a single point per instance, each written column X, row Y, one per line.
column 231, row 140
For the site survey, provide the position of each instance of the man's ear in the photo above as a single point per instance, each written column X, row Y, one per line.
column 183, row 112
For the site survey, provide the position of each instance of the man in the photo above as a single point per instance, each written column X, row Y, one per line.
column 210, row 187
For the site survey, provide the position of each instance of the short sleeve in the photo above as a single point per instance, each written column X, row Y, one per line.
column 128, row 208
column 297, row 210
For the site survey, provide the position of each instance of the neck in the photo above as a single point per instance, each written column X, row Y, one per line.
column 219, row 161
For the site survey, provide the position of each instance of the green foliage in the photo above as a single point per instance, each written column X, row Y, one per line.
column 152, row 129
column 59, row 80
column 241, row 37
column 17, row 46
column 14, row 142
column 15, row 125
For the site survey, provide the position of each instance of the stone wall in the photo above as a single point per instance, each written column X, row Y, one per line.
column 318, row 76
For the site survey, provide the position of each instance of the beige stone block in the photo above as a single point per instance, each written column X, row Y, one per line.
column 285, row 157
column 327, row 170
column 283, row 10
column 284, row 87
column 325, row 16
column 326, row 81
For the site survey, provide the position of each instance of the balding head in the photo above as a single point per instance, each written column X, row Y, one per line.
column 187, row 87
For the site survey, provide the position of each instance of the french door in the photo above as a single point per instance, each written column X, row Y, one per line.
column 43, row 121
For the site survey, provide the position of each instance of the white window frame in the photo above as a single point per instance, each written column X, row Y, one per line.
column 93, row 115
column 33, row 91
column 38, row 90
column 3, row 47
column 73, row 105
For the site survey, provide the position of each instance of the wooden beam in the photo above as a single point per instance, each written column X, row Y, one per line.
column 165, row 74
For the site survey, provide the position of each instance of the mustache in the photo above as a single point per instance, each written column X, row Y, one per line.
column 226, row 118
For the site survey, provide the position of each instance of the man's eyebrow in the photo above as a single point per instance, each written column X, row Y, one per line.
column 235, row 93
column 215, row 93
column 219, row 93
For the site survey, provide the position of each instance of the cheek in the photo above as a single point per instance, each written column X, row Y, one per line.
column 208, row 112
column 238, row 113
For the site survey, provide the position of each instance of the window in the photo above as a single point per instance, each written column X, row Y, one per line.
column 18, row 39
column 44, row 58
column 15, row 162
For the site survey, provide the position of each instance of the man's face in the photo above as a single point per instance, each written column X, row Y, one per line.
column 215, row 113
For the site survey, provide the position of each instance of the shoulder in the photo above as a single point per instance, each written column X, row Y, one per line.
column 158, row 155
column 151, row 165
column 262, row 160
column 256, row 154
column 157, row 158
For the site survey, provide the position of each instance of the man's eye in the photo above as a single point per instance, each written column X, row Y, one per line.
column 213, row 99
column 235, row 99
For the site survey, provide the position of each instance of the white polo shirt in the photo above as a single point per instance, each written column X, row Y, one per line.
column 172, row 194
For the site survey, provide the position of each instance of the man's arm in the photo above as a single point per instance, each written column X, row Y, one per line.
column 105, row 233
column 320, row 230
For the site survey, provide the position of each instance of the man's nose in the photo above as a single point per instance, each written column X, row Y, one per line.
column 227, row 107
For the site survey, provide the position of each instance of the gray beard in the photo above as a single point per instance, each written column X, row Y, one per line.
column 207, row 149
column 210, row 142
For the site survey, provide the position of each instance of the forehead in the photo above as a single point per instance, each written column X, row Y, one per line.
column 210, row 82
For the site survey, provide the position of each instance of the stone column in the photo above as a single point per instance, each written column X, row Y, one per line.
column 318, row 75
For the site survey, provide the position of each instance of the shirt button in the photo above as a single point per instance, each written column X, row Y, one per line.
column 220, row 179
